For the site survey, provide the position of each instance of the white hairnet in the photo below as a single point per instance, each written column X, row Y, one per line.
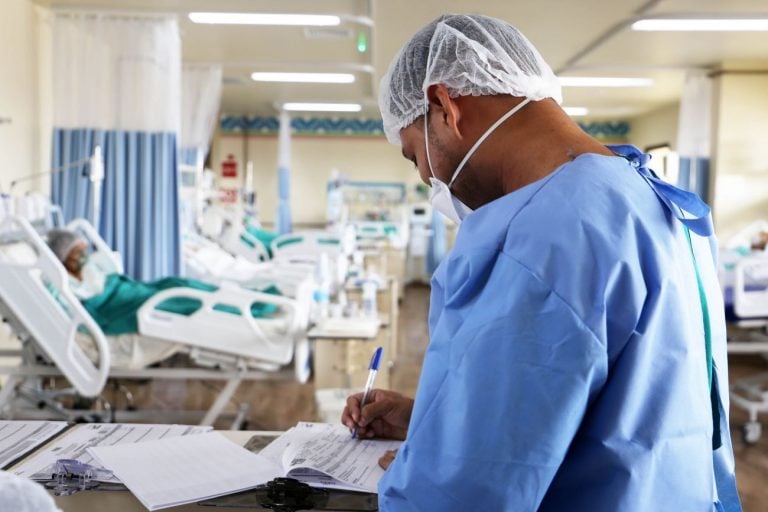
column 22, row 495
column 62, row 241
column 471, row 55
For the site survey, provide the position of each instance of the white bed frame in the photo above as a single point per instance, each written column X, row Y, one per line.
column 238, row 241
column 25, row 296
column 242, row 347
column 220, row 227
column 751, row 310
column 309, row 247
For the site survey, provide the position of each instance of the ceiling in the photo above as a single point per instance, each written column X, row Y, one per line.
column 561, row 30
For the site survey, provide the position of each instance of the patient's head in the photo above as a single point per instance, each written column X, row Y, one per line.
column 70, row 248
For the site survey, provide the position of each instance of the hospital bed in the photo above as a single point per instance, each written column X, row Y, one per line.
column 744, row 278
column 327, row 253
column 222, row 228
column 396, row 234
column 60, row 338
column 207, row 261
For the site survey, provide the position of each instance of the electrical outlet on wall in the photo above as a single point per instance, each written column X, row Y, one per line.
column 5, row 120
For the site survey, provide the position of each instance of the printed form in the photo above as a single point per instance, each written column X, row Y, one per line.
column 75, row 443
column 180, row 470
column 17, row 438
column 313, row 452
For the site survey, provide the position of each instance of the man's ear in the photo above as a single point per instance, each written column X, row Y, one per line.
column 444, row 109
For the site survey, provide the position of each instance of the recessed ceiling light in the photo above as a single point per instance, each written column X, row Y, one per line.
column 250, row 18
column 702, row 25
column 323, row 107
column 604, row 81
column 576, row 111
column 322, row 78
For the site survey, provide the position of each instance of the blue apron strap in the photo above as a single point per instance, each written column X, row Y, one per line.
column 700, row 221
column 686, row 206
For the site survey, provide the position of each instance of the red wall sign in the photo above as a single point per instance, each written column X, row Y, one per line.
column 229, row 167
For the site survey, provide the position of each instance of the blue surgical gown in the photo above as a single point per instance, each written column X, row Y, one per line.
column 567, row 367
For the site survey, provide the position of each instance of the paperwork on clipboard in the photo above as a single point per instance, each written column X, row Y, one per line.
column 325, row 455
column 182, row 470
column 74, row 444
column 18, row 438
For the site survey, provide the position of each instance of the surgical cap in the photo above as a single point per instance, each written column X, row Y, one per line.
column 471, row 55
column 62, row 241
column 22, row 495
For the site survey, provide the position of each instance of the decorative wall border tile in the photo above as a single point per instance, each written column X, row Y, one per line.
column 345, row 126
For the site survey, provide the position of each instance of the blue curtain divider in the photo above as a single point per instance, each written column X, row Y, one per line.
column 694, row 176
column 188, row 156
column 284, row 222
column 139, row 196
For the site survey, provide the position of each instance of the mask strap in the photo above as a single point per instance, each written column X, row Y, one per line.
column 483, row 137
column 426, row 140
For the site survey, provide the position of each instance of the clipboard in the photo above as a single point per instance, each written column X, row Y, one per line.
column 289, row 495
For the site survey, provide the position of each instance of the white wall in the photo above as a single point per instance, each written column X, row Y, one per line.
column 739, row 164
column 312, row 159
column 19, row 140
column 656, row 127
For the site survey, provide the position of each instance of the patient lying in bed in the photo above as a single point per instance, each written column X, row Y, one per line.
column 113, row 300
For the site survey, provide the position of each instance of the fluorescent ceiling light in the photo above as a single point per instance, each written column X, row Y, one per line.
column 703, row 25
column 321, row 78
column 576, row 111
column 248, row 18
column 604, row 81
column 323, row 107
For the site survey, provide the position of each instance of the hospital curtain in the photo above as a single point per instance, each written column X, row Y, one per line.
column 284, row 224
column 200, row 100
column 693, row 134
column 116, row 85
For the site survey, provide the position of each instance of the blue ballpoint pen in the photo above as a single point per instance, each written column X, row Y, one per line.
column 373, row 369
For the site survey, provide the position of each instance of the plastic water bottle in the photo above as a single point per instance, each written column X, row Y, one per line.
column 370, row 309
column 322, row 294
column 322, row 298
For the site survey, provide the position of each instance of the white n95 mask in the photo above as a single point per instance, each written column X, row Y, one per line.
column 441, row 198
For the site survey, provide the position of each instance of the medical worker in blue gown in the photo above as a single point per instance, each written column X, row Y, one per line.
column 577, row 358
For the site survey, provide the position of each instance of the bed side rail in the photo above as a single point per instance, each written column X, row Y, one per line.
column 52, row 321
column 217, row 330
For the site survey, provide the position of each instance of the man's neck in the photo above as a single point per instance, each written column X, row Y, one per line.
column 531, row 145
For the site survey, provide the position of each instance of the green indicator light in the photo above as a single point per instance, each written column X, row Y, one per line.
column 362, row 42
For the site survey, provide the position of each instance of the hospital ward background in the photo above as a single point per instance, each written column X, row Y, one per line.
column 202, row 222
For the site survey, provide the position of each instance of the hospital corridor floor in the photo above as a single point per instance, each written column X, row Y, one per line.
column 279, row 405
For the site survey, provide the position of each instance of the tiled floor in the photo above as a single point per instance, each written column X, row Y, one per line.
column 280, row 405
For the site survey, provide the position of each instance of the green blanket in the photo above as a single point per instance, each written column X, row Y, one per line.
column 116, row 307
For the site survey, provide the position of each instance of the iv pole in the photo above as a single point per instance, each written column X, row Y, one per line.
column 96, row 176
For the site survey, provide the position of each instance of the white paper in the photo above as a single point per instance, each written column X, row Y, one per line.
column 187, row 469
column 73, row 444
column 312, row 452
column 17, row 438
column 297, row 435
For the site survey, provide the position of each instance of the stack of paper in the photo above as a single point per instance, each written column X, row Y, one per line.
column 75, row 443
column 18, row 438
column 163, row 467
column 188, row 469
column 325, row 455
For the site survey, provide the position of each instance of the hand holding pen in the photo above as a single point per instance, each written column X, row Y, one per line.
column 385, row 414
column 373, row 369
